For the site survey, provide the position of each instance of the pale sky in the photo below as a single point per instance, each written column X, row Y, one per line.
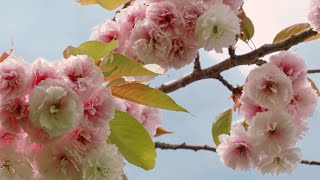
column 43, row 28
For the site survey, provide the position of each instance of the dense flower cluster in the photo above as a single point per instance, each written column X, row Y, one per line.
column 276, row 103
column 314, row 14
column 170, row 32
column 54, row 121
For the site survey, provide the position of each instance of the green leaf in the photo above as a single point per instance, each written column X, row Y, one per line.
column 111, row 4
column 222, row 125
column 292, row 30
column 247, row 29
column 314, row 86
column 108, row 4
column 132, row 140
column 94, row 49
column 123, row 66
column 143, row 94
column 116, row 82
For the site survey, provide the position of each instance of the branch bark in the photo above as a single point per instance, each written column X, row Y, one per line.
column 313, row 71
column 245, row 59
column 166, row 146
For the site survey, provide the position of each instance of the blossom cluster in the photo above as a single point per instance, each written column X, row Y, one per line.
column 276, row 102
column 314, row 14
column 54, row 121
column 169, row 33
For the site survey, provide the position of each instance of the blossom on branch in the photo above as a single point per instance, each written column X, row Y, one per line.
column 217, row 28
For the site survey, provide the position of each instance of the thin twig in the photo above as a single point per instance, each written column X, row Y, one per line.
column 225, row 83
column 313, row 71
column 246, row 59
column 166, row 146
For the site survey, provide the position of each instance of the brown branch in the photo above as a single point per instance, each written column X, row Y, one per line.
column 226, row 83
column 197, row 64
column 313, row 71
column 246, row 59
column 166, row 146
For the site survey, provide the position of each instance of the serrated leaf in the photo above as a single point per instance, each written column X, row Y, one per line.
column 143, row 94
column 132, row 140
column 107, row 4
column 314, row 86
column 161, row 131
column 124, row 67
column 94, row 49
column 247, row 29
column 292, row 30
column 222, row 125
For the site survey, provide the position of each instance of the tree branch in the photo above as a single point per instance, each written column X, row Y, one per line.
column 226, row 83
column 246, row 59
column 313, row 71
column 197, row 64
column 166, row 146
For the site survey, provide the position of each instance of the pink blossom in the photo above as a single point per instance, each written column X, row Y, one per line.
column 234, row 4
column 149, row 45
column 83, row 75
column 103, row 163
column 165, row 16
column 126, row 20
column 217, row 28
column 303, row 103
column 292, row 65
column 269, row 87
column 249, row 108
column 280, row 161
column 36, row 134
column 13, row 78
column 12, row 111
column 237, row 151
column 58, row 161
column 99, row 108
column 273, row 129
column 8, row 138
column 84, row 139
column 55, row 108
column 314, row 14
column 41, row 70
column 106, row 31
column 182, row 53
column 14, row 165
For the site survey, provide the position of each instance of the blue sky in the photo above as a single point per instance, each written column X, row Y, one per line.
column 43, row 28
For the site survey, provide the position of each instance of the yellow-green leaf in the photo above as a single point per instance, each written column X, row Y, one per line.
column 116, row 82
column 107, row 4
column 222, row 125
column 143, row 94
column 292, row 30
column 132, row 140
column 94, row 49
column 87, row 2
column 123, row 66
column 111, row 4
column 247, row 29
column 314, row 86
